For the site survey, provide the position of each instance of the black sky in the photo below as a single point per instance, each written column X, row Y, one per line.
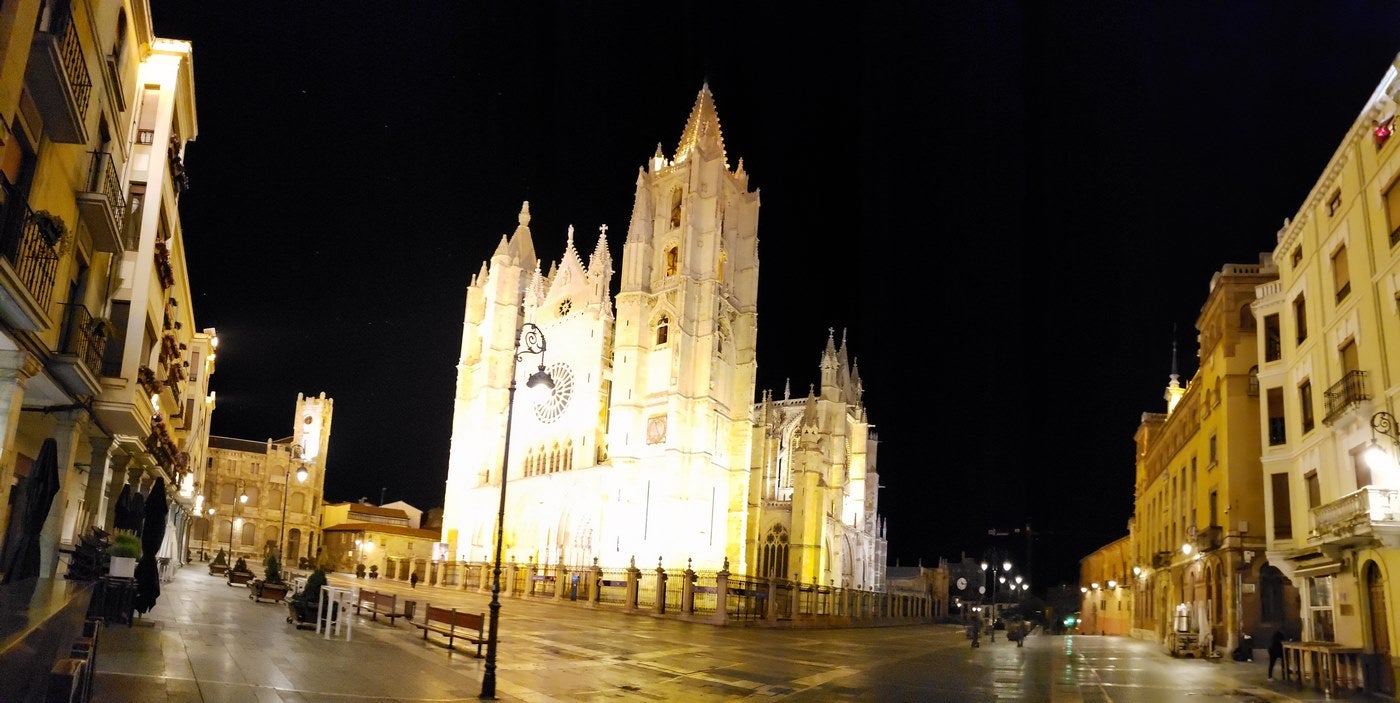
column 1006, row 206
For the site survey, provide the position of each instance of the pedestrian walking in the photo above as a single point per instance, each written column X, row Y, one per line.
column 1276, row 653
column 413, row 580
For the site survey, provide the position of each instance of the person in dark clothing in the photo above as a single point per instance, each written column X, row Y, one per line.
column 413, row 581
column 1275, row 651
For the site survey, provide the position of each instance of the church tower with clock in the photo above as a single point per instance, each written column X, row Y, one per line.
column 646, row 445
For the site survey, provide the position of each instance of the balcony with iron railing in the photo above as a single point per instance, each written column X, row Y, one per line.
column 29, row 245
column 1371, row 512
column 83, row 341
column 1209, row 538
column 1345, row 395
column 102, row 205
column 57, row 74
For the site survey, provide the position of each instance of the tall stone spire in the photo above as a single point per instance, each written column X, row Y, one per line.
column 522, row 246
column 702, row 130
column 1174, row 389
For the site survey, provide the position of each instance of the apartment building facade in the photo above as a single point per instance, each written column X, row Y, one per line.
column 1330, row 378
column 99, row 350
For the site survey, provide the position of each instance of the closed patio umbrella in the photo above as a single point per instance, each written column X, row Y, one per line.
column 152, row 534
column 20, row 559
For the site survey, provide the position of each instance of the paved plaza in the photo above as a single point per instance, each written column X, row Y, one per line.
column 206, row 641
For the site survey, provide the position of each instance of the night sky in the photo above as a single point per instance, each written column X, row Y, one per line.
column 1007, row 208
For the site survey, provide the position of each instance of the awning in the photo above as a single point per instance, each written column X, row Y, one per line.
column 1319, row 569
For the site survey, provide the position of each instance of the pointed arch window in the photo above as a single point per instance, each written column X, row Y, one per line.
column 673, row 260
column 663, row 329
column 676, row 207
column 773, row 554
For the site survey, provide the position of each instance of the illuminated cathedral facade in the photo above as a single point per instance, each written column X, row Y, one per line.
column 650, row 444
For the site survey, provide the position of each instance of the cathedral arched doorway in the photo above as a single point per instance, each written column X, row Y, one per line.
column 773, row 553
column 1380, row 673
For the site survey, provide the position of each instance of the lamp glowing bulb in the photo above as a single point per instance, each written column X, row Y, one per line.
column 1186, row 549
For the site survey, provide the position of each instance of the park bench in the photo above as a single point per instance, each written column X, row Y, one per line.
column 453, row 625
column 377, row 603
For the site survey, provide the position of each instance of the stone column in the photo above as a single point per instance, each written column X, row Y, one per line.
column 595, row 589
column 532, row 571
column 796, row 597
column 770, row 604
column 66, row 434
column 634, row 578
column 721, row 616
column 487, row 568
column 98, row 476
column 688, row 590
column 508, row 575
column 16, row 367
column 660, row 601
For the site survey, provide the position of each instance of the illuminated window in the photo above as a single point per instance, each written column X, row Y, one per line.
column 1382, row 130
column 676, row 207
column 1341, row 276
column 1319, row 608
column 663, row 325
column 1335, row 203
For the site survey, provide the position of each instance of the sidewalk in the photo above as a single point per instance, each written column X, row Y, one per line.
column 206, row 641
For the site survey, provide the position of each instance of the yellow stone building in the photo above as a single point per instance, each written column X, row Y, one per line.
column 381, row 536
column 99, row 350
column 255, row 496
column 1198, row 517
column 650, row 442
column 1106, row 585
column 1330, row 380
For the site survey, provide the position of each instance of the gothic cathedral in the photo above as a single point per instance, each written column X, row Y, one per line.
column 650, row 444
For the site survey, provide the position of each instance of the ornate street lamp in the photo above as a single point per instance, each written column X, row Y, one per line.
column 1376, row 456
column 528, row 340
column 1005, row 567
column 287, row 488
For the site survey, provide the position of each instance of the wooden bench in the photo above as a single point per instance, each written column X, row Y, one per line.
column 377, row 604
column 454, row 624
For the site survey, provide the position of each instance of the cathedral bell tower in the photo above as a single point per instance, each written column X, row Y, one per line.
column 684, row 362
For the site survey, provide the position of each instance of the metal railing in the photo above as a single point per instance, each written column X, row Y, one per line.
column 57, row 20
column 1344, row 394
column 84, row 337
column 103, row 179
column 24, row 245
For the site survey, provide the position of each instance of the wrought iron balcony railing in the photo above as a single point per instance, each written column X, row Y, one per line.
column 58, row 73
column 84, row 336
column 30, row 248
column 1345, row 394
column 102, row 205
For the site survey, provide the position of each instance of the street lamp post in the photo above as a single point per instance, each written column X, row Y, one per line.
column 233, row 518
column 1005, row 567
column 287, row 488
column 528, row 340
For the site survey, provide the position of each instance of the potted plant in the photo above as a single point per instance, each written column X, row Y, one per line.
column 240, row 574
column 49, row 225
column 125, row 550
column 374, row 571
column 359, row 571
column 272, row 569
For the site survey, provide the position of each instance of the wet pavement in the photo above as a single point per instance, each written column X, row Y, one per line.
column 206, row 641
